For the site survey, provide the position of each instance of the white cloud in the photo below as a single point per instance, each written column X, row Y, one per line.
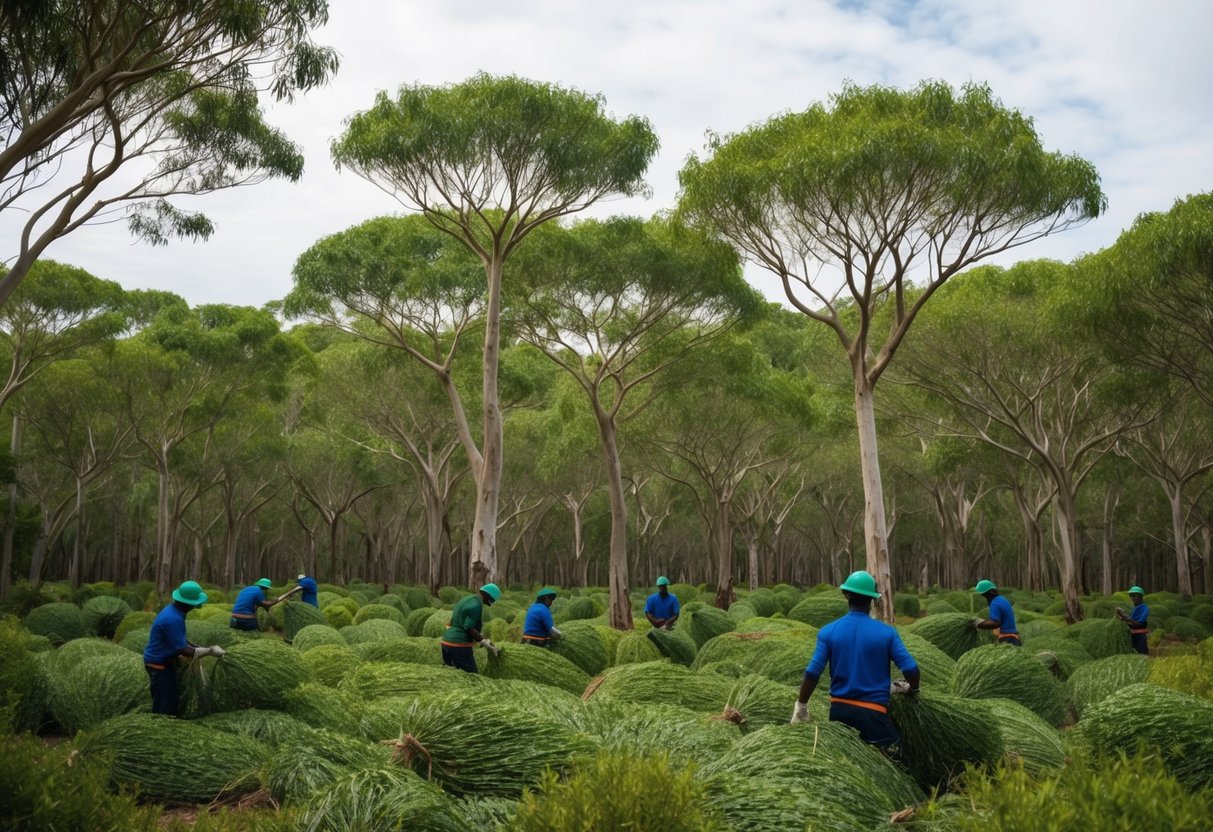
column 1122, row 83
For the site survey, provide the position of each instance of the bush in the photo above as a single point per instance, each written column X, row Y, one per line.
column 138, row 620
column 297, row 615
column 414, row 622
column 1027, row 737
column 256, row 674
column 657, row 729
column 376, row 629
column 938, row 607
column 819, row 610
column 619, row 791
column 315, row 635
column 410, row 650
column 953, row 633
column 416, row 598
column 103, row 614
column 940, row 733
column 16, row 666
column 999, row 671
column 330, row 664
column 1097, row 680
column 906, row 604
column 1103, row 637
column 1187, row 674
column 337, row 616
column 86, row 693
column 23, row 597
column 58, row 622
column 379, row 611
column 1186, row 629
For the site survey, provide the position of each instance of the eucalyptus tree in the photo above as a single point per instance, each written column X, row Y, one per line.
column 488, row 161
column 165, row 91
column 615, row 305
column 847, row 204
column 1005, row 369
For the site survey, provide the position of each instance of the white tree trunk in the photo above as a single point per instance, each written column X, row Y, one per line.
column 482, row 563
column 617, row 565
column 875, row 529
column 1179, row 533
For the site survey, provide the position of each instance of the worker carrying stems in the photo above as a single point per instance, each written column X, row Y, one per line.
column 307, row 585
column 662, row 607
column 1002, row 617
column 538, row 628
column 1138, row 620
column 858, row 650
column 463, row 631
column 250, row 599
column 167, row 641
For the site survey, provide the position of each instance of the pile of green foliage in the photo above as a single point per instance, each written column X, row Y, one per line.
column 953, row 633
column 1188, row 674
column 410, row 649
column 137, row 620
column 636, row 648
column 1060, row 654
column 270, row 727
column 375, row 680
column 103, row 614
column 307, row 762
column 372, row 612
column 820, row 610
column 86, row 693
column 663, row 682
column 536, row 664
column 761, row 701
column 314, row 635
column 936, row 667
column 581, row 645
column 1000, row 671
column 1027, row 737
column 940, row 733
column 330, row 664
column 381, row 798
column 256, row 674
column 781, row 656
column 653, row 729
column 375, row 629
column 321, row 706
column 296, row 615
column 1097, row 680
column 676, row 645
column 704, row 622
column 1102, row 637
column 59, row 622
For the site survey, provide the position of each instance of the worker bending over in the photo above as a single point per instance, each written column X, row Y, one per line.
column 463, row 631
column 1002, row 617
column 166, row 642
column 1138, row 620
column 538, row 629
column 662, row 607
column 307, row 585
column 251, row 599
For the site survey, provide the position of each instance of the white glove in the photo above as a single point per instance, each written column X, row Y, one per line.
column 801, row 713
column 556, row 633
column 975, row 622
column 901, row 686
column 218, row 652
column 488, row 645
column 199, row 652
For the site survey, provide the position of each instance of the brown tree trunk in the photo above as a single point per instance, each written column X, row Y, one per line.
column 724, row 554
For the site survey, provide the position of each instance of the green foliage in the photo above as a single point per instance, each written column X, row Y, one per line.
column 374, row 629
column 381, row 798
column 635, row 648
column 411, row 650
column 22, row 598
column 1103, row 637
column 907, row 604
column 1187, row 674
column 819, row 610
column 998, row 671
column 1027, row 737
column 577, row 609
column 1097, row 680
column 1058, row 652
column 375, row 680
column 59, row 622
column 536, row 664
column 940, row 733
column 619, row 791
column 316, row 635
column 16, row 666
column 85, row 693
column 270, row 727
column 936, row 667
column 779, row 655
column 256, row 674
column 338, row 616
column 309, row 761
column 657, row 729
column 676, row 645
column 953, row 633
column 297, row 615
column 378, row 611
column 103, row 614
column 663, row 682
column 1187, row 629
column 138, row 620
column 330, row 664
column 414, row 622
column 704, row 622
column 581, row 644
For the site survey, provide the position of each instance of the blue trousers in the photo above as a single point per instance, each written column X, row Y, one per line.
column 1139, row 643
column 874, row 727
column 244, row 624
column 164, row 689
column 460, row 657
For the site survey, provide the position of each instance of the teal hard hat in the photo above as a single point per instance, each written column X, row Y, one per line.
column 545, row 592
column 983, row 587
column 1136, row 590
column 861, row 583
column 190, row 592
column 264, row 583
column 663, row 581
column 493, row 591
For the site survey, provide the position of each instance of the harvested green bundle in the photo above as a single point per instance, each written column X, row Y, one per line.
column 704, row 622
column 1027, row 737
column 780, row 656
column 175, row 760
column 635, row 648
column 256, row 674
column 416, row 598
column 379, row 679
column 554, row 704
column 940, row 608
column 92, row 690
column 137, row 620
column 662, row 682
column 1029, row 630
column 319, row 706
column 1186, row 629
column 270, row 727
column 34, row 705
column 395, row 602
column 194, row 688
column 657, row 728
column 776, row 625
column 296, row 615
column 375, row 612
column 535, row 664
column 315, row 635
column 853, row 786
column 576, row 609
column 1060, row 654
column 610, row 638
column 1179, row 725
column 742, row 611
column 999, row 671
column 376, row 629
column 676, row 645
column 487, row 812
column 906, row 604
column 308, row 761
column 103, row 614
column 380, row 799
column 499, row 631
column 338, row 616
column 512, row 744
column 38, row 644
column 74, row 652
column 208, row 633
column 761, row 702
column 436, row 623
column 820, row 610
column 581, row 645
column 762, row 600
column 1096, row 681
column 1103, row 637
column 953, row 633
column 58, row 622
column 329, row 664
column 414, row 622
column 410, row 650
column 936, row 667
column 940, row 733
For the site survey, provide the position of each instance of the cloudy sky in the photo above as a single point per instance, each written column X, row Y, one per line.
column 1124, row 84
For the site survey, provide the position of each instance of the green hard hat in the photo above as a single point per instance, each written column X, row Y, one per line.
column 1136, row 590
column 264, row 583
column 545, row 592
column 190, row 592
column 861, row 583
column 492, row 590
column 663, row 581
column 983, row 587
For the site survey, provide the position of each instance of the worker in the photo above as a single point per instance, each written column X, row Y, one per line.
column 538, row 629
column 308, row 584
column 166, row 642
column 463, row 630
column 251, row 599
column 1002, row 617
column 858, row 649
column 1138, row 620
column 662, row 607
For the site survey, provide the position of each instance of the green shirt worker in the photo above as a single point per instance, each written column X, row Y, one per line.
column 463, row 631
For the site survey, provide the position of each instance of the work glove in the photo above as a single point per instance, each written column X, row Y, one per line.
column 556, row 633
column 975, row 622
column 493, row 649
column 199, row 652
column 899, row 688
column 800, row 713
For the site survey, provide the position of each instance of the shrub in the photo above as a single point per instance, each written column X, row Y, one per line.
column 337, row 616
column 937, row 607
column 88, row 692
column 138, row 620
column 953, row 633
column 999, row 671
column 819, row 610
column 936, row 667
column 619, row 791
column 379, row 611
column 59, row 622
column 103, row 614
column 781, row 656
column 16, row 666
column 1060, row 654
column 1187, row 674
column 375, row 629
column 742, row 610
column 23, row 597
column 319, row 706
column 1186, row 629
column 416, row 598
column 450, row 595
column 906, row 604
column 330, row 664
column 940, row 733
column 436, row 623
column 375, row 680
column 410, row 650
column 309, row 762
column 1097, row 680
column 315, row 635
column 1103, row 637
column 256, row 674
column 297, row 615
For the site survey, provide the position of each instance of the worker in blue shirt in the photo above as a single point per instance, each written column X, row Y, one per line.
column 662, row 607
column 250, row 599
column 1138, row 620
column 538, row 628
column 308, row 585
column 1002, row 617
column 858, row 649
column 167, row 641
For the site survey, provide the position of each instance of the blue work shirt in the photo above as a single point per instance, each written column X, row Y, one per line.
column 248, row 600
column 859, row 649
column 662, row 608
column 1002, row 615
column 1140, row 616
column 167, row 638
column 538, row 621
column 308, row 596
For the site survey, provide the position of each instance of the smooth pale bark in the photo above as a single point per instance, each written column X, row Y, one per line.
column 875, row 529
column 164, row 552
column 482, row 564
column 1066, row 513
column 724, row 551
column 6, row 567
column 617, row 560
column 1111, row 500
column 1179, row 533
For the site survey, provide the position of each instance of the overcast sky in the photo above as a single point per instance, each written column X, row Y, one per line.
column 1123, row 84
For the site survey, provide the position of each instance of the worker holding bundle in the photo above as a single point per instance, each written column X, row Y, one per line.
column 538, row 628
column 166, row 642
column 307, row 585
column 463, row 630
column 251, row 599
column 1002, row 617
column 858, row 650
column 1138, row 620
column 662, row 607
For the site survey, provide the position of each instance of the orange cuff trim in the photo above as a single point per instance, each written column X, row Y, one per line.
column 871, row 706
